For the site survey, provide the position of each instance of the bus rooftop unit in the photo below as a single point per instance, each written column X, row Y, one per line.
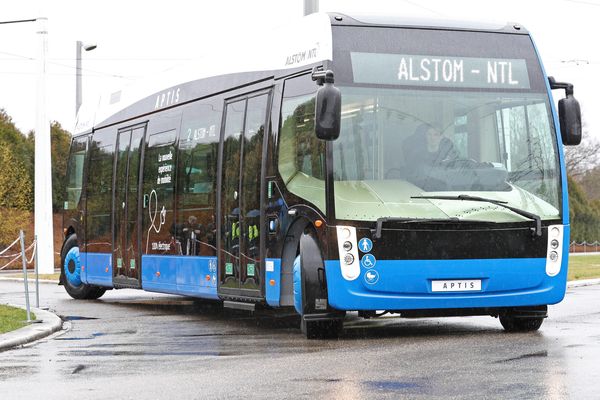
column 344, row 164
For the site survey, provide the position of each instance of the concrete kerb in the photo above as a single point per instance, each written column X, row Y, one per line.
column 32, row 332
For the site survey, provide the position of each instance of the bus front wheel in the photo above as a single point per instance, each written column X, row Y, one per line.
column 71, row 273
column 512, row 323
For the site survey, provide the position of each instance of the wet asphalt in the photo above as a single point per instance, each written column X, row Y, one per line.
column 137, row 345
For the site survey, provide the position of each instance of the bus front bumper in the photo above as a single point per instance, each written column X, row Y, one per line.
column 428, row 284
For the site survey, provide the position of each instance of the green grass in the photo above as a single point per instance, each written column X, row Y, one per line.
column 584, row 267
column 12, row 318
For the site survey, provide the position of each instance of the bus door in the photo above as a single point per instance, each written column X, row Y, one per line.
column 126, row 208
column 240, row 265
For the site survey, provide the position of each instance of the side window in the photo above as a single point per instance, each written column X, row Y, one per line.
column 197, row 178
column 75, row 172
column 301, row 154
column 99, row 192
column 159, row 191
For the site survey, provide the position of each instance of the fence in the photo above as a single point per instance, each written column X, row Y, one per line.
column 584, row 247
column 22, row 255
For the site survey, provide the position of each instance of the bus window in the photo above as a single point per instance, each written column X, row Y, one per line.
column 158, row 192
column 99, row 192
column 75, row 172
column 301, row 154
column 195, row 228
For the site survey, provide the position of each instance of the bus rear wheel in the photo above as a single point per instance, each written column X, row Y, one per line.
column 512, row 323
column 71, row 273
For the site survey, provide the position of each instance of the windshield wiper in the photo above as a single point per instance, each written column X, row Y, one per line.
column 537, row 230
column 380, row 221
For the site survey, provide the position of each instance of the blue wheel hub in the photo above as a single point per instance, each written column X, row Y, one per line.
column 72, row 267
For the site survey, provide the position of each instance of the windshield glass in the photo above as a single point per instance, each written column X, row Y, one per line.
column 428, row 112
column 399, row 143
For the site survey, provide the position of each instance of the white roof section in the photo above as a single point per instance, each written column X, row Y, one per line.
column 301, row 42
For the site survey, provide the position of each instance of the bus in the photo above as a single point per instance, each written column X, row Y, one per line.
column 344, row 164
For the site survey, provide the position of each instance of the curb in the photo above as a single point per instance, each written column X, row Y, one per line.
column 30, row 333
column 583, row 282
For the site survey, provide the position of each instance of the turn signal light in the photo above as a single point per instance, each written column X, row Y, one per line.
column 158, row 274
column 207, row 277
column 272, row 282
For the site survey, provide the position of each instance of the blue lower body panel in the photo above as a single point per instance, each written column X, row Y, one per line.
column 273, row 281
column 407, row 284
column 97, row 269
column 185, row 275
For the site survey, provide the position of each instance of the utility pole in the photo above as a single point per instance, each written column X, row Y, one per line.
column 44, row 231
column 311, row 7
column 43, row 166
column 78, row 98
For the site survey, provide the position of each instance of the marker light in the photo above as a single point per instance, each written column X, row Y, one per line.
column 272, row 282
column 318, row 223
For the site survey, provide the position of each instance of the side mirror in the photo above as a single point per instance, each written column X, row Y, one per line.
column 569, row 114
column 328, row 107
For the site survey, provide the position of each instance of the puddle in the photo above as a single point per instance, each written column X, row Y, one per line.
column 524, row 356
column 77, row 318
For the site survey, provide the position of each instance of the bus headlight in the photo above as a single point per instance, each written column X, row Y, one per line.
column 348, row 259
column 348, row 252
column 554, row 250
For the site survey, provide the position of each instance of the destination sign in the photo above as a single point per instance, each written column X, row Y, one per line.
column 420, row 70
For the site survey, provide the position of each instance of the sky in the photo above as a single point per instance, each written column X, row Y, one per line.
column 140, row 39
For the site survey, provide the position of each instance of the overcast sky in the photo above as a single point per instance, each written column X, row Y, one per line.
column 139, row 39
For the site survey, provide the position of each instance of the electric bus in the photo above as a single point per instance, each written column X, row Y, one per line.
column 366, row 164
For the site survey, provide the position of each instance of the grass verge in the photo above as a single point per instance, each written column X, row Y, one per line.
column 31, row 276
column 12, row 318
column 584, row 267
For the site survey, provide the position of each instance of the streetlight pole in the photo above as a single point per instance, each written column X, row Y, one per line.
column 311, row 6
column 43, row 166
column 78, row 98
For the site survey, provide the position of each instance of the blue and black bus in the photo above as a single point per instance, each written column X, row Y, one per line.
column 342, row 164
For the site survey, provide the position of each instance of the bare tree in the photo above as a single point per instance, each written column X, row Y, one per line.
column 584, row 157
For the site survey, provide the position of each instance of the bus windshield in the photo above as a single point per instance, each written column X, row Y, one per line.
column 398, row 143
column 446, row 112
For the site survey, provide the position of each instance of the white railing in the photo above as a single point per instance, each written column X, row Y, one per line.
column 584, row 247
column 22, row 255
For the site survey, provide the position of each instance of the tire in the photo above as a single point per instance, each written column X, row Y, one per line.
column 71, row 273
column 513, row 323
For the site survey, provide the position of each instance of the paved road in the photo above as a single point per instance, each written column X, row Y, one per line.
column 136, row 345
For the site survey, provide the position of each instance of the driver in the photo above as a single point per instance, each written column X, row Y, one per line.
column 425, row 149
column 428, row 146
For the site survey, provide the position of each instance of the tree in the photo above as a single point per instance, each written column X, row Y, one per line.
column 15, row 183
column 585, row 156
column 60, row 141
